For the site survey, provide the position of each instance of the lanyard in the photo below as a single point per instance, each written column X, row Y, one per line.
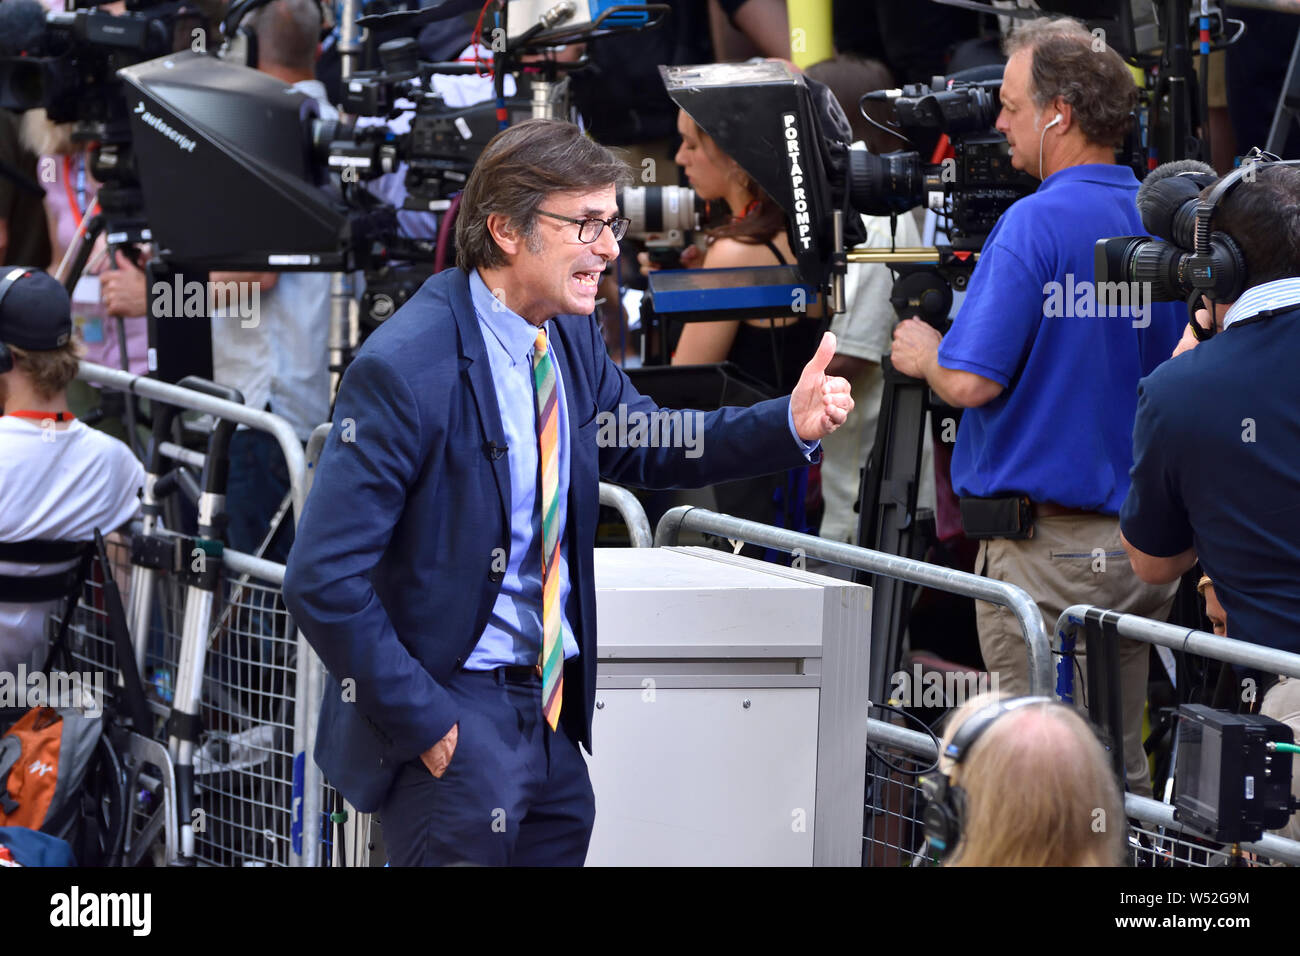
column 41, row 416
column 77, row 203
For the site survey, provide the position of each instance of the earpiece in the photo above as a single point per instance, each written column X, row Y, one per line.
column 1056, row 119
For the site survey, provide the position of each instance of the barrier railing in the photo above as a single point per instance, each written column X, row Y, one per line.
column 630, row 510
column 307, row 666
column 688, row 518
column 186, row 398
column 1186, row 639
column 1155, row 839
column 252, row 797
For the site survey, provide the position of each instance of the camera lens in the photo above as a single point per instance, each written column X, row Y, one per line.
column 1159, row 265
column 889, row 183
column 656, row 210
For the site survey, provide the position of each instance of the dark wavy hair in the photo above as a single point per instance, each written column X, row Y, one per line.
column 761, row 225
column 1070, row 62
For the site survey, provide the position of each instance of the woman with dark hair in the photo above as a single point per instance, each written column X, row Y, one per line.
column 773, row 350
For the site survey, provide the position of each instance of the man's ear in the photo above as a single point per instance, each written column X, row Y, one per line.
column 1067, row 114
column 507, row 236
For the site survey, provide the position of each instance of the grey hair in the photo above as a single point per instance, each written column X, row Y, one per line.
column 1069, row 62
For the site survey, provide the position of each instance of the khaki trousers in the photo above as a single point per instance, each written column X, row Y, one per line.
column 1072, row 559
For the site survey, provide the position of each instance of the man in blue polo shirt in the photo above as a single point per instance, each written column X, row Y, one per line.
column 1047, row 364
column 1216, row 447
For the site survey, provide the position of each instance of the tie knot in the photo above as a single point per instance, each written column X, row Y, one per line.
column 540, row 344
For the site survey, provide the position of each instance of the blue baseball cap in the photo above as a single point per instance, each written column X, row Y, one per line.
column 35, row 311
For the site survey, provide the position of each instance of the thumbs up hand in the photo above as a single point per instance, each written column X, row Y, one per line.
column 820, row 403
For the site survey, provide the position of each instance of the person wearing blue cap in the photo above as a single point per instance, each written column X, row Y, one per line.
column 59, row 479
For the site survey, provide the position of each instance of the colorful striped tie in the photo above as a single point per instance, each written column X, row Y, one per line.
column 548, row 460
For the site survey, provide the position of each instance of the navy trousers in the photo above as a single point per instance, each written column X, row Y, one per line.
column 515, row 793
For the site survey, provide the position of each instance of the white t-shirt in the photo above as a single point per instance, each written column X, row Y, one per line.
column 56, row 485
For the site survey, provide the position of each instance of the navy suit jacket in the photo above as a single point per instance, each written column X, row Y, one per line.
column 391, row 578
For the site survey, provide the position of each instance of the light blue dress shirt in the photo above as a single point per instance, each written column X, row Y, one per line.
column 513, row 635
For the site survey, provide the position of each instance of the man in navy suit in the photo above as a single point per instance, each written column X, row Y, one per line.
column 417, row 572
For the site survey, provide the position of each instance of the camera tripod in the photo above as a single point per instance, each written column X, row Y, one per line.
column 888, row 519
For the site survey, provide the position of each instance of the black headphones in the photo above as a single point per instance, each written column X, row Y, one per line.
column 1226, row 282
column 6, row 283
column 945, row 811
column 242, row 35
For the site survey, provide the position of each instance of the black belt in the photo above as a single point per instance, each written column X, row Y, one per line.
column 519, row 674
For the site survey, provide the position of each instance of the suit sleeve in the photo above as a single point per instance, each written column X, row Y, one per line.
column 372, row 454
column 705, row 447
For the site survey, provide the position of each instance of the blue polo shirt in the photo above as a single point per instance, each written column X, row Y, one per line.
column 1216, row 467
column 1062, row 428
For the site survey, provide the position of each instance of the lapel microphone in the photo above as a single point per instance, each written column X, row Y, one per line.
column 494, row 451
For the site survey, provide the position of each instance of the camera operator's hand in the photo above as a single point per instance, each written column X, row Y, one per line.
column 122, row 289
column 691, row 258
column 1189, row 340
column 916, row 345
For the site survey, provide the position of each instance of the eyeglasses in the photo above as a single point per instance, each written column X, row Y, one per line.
column 589, row 229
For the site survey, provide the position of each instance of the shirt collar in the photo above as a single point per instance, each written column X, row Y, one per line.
column 516, row 334
column 1106, row 174
column 313, row 88
column 1267, row 297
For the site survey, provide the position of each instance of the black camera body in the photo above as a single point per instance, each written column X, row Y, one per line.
column 66, row 64
column 1187, row 259
column 1171, row 265
column 976, row 186
column 442, row 144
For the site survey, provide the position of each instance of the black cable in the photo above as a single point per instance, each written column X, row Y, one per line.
column 894, row 767
column 888, row 129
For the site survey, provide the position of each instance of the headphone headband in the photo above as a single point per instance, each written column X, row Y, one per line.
column 945, row 809
column 1209, row 205
column 974, row 728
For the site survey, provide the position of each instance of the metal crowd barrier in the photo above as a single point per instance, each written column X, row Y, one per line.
column 261, row 681
column 1155, row 838
column 1186, row 639
column 155, row 390
column 630, row 510
column 251, row 707
column 1041, row 680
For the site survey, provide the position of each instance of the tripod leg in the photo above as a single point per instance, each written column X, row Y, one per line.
column 887, row 507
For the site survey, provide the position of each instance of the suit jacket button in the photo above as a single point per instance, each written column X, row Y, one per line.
column 495, row 576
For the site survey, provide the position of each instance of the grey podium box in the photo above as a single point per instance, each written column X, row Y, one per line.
column 731, row 711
